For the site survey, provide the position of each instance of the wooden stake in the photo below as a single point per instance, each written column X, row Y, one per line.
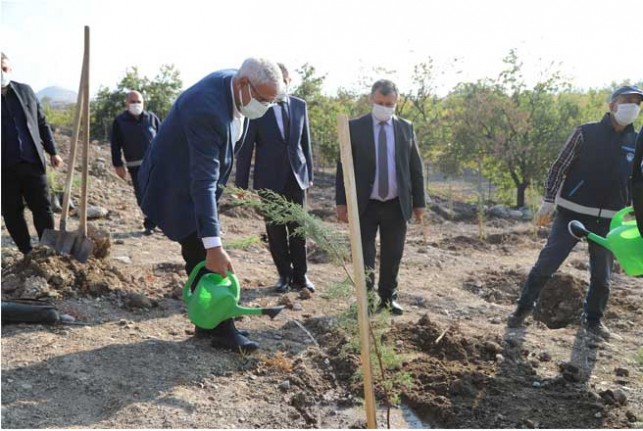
column 358, row 265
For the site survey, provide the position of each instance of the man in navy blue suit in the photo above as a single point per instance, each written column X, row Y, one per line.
column 191, row 158
column 283, row 164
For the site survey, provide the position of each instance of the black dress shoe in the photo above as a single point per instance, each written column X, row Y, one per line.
column 304, row 283
column 236, row 343
column 282, row 285
column 392, row 306
column 208, row 333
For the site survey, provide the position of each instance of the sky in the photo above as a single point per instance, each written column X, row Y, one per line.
column 589, row 41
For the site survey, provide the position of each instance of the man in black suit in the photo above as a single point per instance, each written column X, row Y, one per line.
column 390, row 187
column 283, row 164
column 26, row 136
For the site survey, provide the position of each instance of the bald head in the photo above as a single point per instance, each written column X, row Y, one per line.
column 134, row 97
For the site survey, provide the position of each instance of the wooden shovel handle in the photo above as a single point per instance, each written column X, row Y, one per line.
column 73, row 146
column 82, row 227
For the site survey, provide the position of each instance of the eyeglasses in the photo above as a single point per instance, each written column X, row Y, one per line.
column 260, row 98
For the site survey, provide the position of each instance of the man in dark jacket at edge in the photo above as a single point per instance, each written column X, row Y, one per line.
column 132, row 134
column 26, row 136
column 588, row 182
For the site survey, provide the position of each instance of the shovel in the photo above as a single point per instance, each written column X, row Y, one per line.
column 75, row 243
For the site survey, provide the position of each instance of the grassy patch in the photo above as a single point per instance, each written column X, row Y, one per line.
column 243, row 243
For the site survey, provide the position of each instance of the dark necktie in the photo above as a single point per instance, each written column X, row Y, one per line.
column 382, row 163
column 285, row 119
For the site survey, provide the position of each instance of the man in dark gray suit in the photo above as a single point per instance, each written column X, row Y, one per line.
column 390, row 187
column 26, row 136
column 283, row 164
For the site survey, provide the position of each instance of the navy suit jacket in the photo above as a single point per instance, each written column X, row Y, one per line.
column 276, row 158
column 189, row 159
column 408, row 164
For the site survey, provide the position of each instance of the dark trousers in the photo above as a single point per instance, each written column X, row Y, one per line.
column 287, row 249
column 133, row 172
column 559, row 244
column 25, row 182
column 388, row 217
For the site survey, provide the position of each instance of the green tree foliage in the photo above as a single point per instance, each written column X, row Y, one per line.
column 322, row 114
column 512, row 132
column 60, row 117
column 159, row 94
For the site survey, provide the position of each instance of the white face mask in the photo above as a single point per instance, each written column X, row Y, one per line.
column 254, row 109
column 383, row 113
column 626, row 113
column 6, row 79
column 135, row 108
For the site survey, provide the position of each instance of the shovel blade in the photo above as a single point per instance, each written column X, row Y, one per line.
column 82, row 248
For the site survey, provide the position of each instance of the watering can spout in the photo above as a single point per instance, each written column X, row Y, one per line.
column 578, row 231
column 623, row 239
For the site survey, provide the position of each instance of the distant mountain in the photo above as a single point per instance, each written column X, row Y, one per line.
column 57, row 95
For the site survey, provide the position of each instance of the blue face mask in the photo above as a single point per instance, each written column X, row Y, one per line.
column 254, row 109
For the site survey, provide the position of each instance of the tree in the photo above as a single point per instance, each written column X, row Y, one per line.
column 515, row 131
column 322, row 115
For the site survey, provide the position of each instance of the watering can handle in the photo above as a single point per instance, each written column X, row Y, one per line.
column 617, row 220
column 187, row 292
column 195, row 272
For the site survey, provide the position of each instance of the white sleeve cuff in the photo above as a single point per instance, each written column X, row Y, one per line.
column 211, row 241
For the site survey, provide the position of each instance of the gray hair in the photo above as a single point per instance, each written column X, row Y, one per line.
column 385, row 86
column 263, row 71
column 4, row 56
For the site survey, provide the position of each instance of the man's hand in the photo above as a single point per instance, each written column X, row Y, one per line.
column 419, row 214
column 342, row 213
column 120, row 171
column 544, row 214
column 56, row 161
column 217, row 260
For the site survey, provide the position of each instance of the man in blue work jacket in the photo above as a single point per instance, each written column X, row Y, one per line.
column 191, row 158
column 589, row 182
column 132, row 134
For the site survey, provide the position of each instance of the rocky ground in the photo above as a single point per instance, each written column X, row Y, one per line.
column 132, row 361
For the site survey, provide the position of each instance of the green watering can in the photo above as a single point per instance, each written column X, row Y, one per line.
column 216, row 299
column 623, row 239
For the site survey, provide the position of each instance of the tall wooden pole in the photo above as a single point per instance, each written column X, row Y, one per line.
column 358, row 266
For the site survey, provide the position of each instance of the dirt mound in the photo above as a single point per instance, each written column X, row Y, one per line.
column 46, row 274
column 497, row 286
column 561, row 301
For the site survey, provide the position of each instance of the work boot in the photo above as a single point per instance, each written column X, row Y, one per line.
column 226, row 336
column 517, row 318
column 597, row 329
column 303, row 283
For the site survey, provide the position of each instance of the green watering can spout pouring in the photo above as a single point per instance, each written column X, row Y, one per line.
column 216, row 299
column 623, row 239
